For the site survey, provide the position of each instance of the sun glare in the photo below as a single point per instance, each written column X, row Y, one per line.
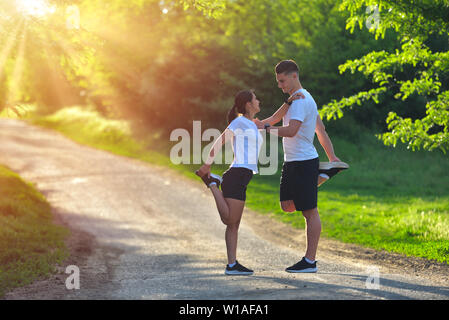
column 36, row 8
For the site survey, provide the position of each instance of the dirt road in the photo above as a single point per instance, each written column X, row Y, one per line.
column 143, row 232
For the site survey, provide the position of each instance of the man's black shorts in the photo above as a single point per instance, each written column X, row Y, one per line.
column 235, row 181
column 299, row 181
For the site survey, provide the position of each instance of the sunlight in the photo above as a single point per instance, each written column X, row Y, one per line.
column 7, row 48
column 36, row 8
column 13, row 94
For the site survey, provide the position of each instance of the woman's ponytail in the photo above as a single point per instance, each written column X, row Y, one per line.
column 240, row 101
column 232, row 114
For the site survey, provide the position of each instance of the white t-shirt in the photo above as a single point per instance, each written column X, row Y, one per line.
column 300, row 147
column 246, row 143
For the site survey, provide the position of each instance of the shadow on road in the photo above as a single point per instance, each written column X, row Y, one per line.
column 116, row 269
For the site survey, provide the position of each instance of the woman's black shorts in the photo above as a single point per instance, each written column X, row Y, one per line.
column 235, row 181
column 299, row 182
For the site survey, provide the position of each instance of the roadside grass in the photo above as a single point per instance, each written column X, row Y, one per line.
column 89, row 128
column 390, row 199
column 30, row 243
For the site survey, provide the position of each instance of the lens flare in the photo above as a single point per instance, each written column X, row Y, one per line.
column 36, row 8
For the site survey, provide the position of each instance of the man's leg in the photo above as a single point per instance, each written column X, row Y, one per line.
column 304, row 190
column 321, row 180
column 329, row 169
column 288, row 206
column 313, row 231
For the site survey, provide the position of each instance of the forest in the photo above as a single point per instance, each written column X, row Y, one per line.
column 163, row 64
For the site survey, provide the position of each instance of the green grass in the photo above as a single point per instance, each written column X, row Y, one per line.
column 390, row 198
column 89, row 128
column 30, row 243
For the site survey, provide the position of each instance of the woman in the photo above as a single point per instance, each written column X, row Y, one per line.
column 246, row 145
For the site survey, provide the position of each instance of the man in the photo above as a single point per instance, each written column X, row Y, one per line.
column 301, row 174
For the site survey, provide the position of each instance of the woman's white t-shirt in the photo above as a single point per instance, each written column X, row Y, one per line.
column 246, row 143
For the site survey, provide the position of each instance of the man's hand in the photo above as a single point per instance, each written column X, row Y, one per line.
column 205, row 169
column 334, row 159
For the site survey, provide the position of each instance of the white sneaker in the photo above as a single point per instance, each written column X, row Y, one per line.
column 335, row 164
column 329, row 169
column 213, row 179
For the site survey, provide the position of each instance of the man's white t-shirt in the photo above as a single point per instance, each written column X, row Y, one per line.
column 246, row 143
column 300, row 147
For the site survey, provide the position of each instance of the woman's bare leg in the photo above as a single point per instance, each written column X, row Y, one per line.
column 230, row 211
column 232, row 228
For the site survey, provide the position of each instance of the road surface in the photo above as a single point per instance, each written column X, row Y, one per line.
column 144, row 232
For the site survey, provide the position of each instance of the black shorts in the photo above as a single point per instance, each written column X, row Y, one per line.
column 299, row 182
column 235, row 181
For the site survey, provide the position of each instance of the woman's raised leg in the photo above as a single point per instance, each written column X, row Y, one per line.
column 222, row 205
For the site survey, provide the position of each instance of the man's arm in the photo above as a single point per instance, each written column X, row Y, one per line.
column 286, row 131
column 324, row 140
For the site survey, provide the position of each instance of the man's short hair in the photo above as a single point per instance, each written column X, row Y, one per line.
column 287, row 67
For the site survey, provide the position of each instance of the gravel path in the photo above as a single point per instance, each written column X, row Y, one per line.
column 144, row 232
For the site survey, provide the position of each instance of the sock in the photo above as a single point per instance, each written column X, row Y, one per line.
column 232, row 264
column 212, row 183
column 325, row 176
column 309, row 261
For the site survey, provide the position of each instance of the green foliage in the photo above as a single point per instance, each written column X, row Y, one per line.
column 416, row 132
column 211, row 8
column 413, row 70
column 164, row 63
column 30, row 243
column 410, row 18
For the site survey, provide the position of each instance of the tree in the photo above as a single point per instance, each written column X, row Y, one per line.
column 211, row 8
column 417, row 68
